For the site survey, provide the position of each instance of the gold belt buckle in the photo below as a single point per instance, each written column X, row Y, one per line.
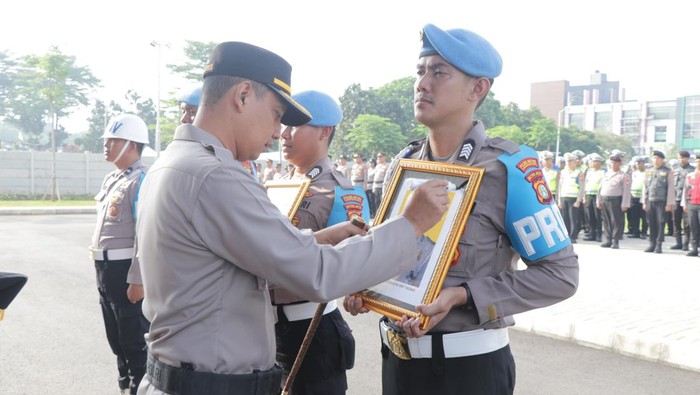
column 398, row 344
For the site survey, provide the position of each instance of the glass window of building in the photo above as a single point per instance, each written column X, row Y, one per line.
column 691, row 118
column 660, row 134
column 662, row 112
column 603, row 121
column 576, row 120
column 629, row 125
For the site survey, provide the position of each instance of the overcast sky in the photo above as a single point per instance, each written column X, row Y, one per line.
column 651, row 48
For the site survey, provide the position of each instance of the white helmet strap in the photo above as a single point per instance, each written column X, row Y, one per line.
column 122, row 151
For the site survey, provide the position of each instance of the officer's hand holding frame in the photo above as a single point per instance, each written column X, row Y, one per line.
column 436, row 248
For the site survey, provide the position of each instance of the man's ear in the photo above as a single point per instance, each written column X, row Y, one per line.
column 241, row 93
column 482, row 87
column 326, row 132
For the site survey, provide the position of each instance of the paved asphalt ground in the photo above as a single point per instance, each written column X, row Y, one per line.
column 640, row 304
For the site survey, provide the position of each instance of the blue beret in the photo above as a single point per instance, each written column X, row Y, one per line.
column 191, row 96
column 324, row 110
column 465, row 50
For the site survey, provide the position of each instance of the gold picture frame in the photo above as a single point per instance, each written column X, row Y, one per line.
column 287, row 194
column 436, row 247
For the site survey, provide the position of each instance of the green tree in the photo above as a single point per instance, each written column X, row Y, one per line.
column 197, row 54
column 512, row 133
column 48, row 88
column 490, row 112
column 372, row 134
column 542, row 134
column 608, row 142
column 8, row 67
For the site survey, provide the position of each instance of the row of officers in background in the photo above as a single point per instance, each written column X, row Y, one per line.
column 594, row 195
column 368, row 175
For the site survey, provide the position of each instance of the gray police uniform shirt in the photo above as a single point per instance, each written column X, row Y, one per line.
column 209, row 238
column 679, row 176
column 615, row 183
column 379, row 175
column 314, row 209
column 486, row 261
column 658, row 186
column 115, row 228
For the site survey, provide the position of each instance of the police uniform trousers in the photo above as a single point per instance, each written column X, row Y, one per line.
column 377, row 196
column 570, row 215
column 124, row 322
column 492, row 373
column 681, row 230
column 694, row 220
column 637, row 218
column 330, row 354
column 594, row 217
column 371, row 201
column 613, row 218
column 656, row 215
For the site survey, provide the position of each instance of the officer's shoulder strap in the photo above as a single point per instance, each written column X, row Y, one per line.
column 502, row 144
column 342, row 181
column 412, row 148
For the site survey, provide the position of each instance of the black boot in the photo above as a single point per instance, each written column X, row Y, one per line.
column 651, row 248
column 615, row 245
column 692, row 252
column 658, row 249
column 679, row 243
column 607, row 244
column 685, row 244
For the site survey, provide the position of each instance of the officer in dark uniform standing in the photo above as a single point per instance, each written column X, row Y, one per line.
column 112, row 249
column 330, row 199
column 659, row 197
column 465, row 347
column 681, row 227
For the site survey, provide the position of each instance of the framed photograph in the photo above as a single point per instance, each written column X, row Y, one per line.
column 436, row 247
column 287, row 194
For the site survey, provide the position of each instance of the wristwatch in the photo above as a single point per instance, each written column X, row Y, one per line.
column 470, row 305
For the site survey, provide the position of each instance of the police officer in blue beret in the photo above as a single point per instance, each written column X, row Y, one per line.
column 464, row 349
column 189, row 103
column 330, row 199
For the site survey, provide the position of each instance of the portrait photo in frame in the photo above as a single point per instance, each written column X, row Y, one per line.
column 287, row 194
column 436, row 247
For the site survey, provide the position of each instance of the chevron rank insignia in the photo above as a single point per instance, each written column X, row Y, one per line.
column 313, row 173
column 467, row 149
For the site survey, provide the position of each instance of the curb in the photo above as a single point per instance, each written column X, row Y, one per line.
column 654, row 348
column 46, row 210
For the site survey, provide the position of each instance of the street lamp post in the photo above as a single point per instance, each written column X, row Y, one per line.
column 157, row 45
column 559, row 122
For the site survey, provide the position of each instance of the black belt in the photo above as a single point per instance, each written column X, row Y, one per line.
column 612, row 197
column 185, row 381
column 357, row 180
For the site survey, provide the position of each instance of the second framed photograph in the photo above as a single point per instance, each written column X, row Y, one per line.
column 435, row 248
column 287, row 194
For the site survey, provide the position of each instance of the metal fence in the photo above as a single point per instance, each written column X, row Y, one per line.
column 29, row 172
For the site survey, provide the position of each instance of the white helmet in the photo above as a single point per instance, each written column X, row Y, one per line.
column 127, row 127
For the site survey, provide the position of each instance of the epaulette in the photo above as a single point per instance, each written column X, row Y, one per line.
column 412, row 147
column 503, row 145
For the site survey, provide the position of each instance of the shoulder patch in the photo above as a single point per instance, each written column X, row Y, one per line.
column 503, row 145
column 314, row 172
